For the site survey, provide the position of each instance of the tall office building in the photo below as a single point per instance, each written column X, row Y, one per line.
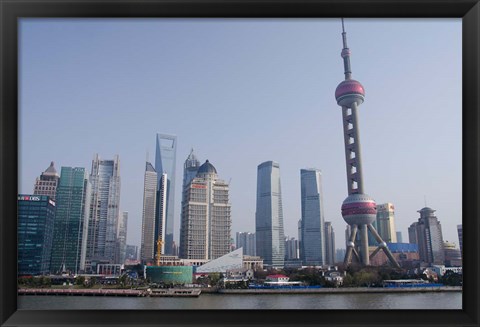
column 358, row 209
column 460, row 237
column 131, row 252
column 329, row 244
column 269, row 232
column 70, row 229
column 36, row 215
column 206, row 221
column 122, row 238
column 104, row 210
column 165, row 162
column 453, row 256
column 47, row 183
column 147, row 248
column 246, row 241
column 313, row 227
column 427, row 234
column 292, row 251
column 386, row 222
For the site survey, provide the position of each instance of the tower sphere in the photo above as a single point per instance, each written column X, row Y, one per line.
column 359, row 209
column 348, row 92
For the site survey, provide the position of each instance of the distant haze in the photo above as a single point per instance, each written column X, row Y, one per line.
column 244, row 91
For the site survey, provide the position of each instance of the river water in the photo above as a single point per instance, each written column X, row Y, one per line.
column 429, row 300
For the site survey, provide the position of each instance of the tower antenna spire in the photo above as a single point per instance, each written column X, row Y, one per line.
column 346, row 54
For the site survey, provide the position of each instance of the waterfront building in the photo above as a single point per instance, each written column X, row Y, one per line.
column 460, row 237
column 70, row 229
column 147, row 247
column 47, row 183
column 313, row 227
column 427, row 234
column 169, row 274
column 292, row 250
column 329, row 244
column 122, row 238
column 36, row 216
column 206, row 220
column 104, row 210
column 358, row 209
column 246, row 241
column 165, row 163
column 269, row 231
column 386, row 222
column 399, row 237
column 453, row 256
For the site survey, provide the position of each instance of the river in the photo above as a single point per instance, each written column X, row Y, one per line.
column 429, row 300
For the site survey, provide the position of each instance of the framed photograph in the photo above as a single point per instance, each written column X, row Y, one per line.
column 250, row 89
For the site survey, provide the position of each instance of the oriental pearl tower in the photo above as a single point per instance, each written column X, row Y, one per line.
column 358, row 209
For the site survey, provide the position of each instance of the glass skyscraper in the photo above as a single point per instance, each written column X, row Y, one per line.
column 104, row 210
column 270, row 237
column 147, row 247
column 313, row 226
column 329, row 243
column 165, row 161
column 36, row 215
column 71, row 221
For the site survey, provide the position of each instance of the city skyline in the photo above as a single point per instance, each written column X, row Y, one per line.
column 243, row 73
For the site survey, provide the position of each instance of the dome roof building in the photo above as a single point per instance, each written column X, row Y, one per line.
column 207, row 168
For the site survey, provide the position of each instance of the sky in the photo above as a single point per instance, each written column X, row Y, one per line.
column 244, row 91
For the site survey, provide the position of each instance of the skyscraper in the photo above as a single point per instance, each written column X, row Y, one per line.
column 460, row 237
column 104, row 210
column 122, row 238
column 427, row 233
column 147, row 248
column 47, row 183
column 313, row 227
column 358, row 209
column 386, row 222
column 329, row 243
column 165, row 162
column 269, row 232
column 292, row 250
column 36, row 215
column 206, row 221
column 190, row 169
column 246, row 241
column 399, row 237
column 70, row 229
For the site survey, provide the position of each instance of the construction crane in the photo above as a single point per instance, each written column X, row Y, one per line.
column 159, row 251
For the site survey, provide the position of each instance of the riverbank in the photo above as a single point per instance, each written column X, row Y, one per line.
column 343, row 290
column 212, row 290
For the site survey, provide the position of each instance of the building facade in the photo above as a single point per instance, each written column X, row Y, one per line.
column 70, row 229
column 329, row 244
column 47, row 183
column 165, row 162
column 270, row 236
column 460, row 237
column 399, row 237
column 206, row 220
column 427, row 234
column 104, row 210
column 147, row 247
column 313, row 227
column 386, row 222
column 292, row 250
column 122, row 238
column 453, row 256
column 36, row 216
column 246, row 241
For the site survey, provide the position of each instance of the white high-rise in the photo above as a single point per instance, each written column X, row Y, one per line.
column 206, row 220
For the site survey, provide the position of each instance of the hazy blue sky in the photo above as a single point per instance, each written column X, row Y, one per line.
column 244, row 91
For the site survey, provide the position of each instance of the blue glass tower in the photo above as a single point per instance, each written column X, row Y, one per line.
column 270, row 237
column 36, row 214
column 312, row 250
column 165, row 161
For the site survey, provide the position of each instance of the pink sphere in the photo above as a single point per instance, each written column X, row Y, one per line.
column 348, row 92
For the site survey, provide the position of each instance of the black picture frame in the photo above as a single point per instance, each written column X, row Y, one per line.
column 11, row 10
